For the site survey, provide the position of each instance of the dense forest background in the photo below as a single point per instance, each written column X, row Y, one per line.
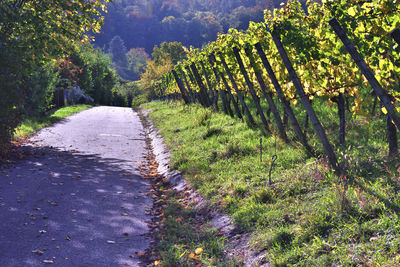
column 134, row 27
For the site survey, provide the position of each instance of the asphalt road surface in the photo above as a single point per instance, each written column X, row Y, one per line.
column 78, row 198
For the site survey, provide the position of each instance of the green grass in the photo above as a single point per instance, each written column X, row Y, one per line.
column 34, row 124
column 307, row 216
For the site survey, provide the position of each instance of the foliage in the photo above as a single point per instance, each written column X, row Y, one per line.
column 174, row 51
column 118, row 52
column 192, row 22
column 137, row 58
column 32, row 33
column 153, row 72
column 40, row 87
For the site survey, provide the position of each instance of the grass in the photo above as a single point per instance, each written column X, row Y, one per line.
column 34, row 124
column 187, row 241
column 307, row 216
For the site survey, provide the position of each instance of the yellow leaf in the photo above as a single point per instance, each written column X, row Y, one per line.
column 192, row 256
column 157, row 263
column 384, row 110
column 198, row 251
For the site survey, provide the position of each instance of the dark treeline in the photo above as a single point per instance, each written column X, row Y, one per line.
column 146, row 23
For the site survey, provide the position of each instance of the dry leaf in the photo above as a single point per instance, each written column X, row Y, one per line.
column 198, row 251
column 38, row 252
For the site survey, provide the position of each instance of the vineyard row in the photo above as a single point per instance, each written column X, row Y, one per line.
column 298, row 54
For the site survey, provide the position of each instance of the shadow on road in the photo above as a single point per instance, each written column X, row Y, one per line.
column 74, row 209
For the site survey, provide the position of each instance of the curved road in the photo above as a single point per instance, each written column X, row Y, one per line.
column 78, row 199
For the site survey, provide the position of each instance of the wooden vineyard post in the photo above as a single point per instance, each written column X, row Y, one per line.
column 251, row 88
column 281, row 96
column 223, row 93
column 271, row 104
column 366, row 71
column 239, row 95
column 214, row 96
column 396, row 35
column 181, row 87
column 392, row 137
column 340, row 101
column 188, row 86
column 307, row 105
column 203, row 92
column 342, row 118
column 196, row 95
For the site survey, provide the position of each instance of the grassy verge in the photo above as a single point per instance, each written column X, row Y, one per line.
column 307, row 216
column 34, row 124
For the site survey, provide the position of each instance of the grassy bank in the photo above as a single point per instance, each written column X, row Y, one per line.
column 31, row 125
column 307, row 216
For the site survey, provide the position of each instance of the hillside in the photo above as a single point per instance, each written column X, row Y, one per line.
column 147, row 23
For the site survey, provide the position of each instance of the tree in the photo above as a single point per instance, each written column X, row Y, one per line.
column 137, row 58
column 118, row 52
column 32, row 34
column 174, row 51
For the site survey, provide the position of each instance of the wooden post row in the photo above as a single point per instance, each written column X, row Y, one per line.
column 307, row 105
column 214, row 99
column 282, row 99
column 188, row 86
column 239, row 95
column 181, row 87
column 251, row 88
column 203, row 92
column 267, row 96
column 223, row 93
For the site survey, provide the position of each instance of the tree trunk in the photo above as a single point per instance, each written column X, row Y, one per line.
column 251, row 88
column 267, row 96
column 239, row 95
column 281, row 96
column 219, row 75
column 307, row 106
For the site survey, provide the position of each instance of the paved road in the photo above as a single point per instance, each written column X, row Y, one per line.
column 79, row 198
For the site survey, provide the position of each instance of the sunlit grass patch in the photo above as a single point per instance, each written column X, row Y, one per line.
column 31, row 125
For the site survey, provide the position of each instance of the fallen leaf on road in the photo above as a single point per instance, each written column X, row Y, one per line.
column 68, row 238
column 110, row 242
column 48, row 261
column 37, row 252
column 140, row 254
